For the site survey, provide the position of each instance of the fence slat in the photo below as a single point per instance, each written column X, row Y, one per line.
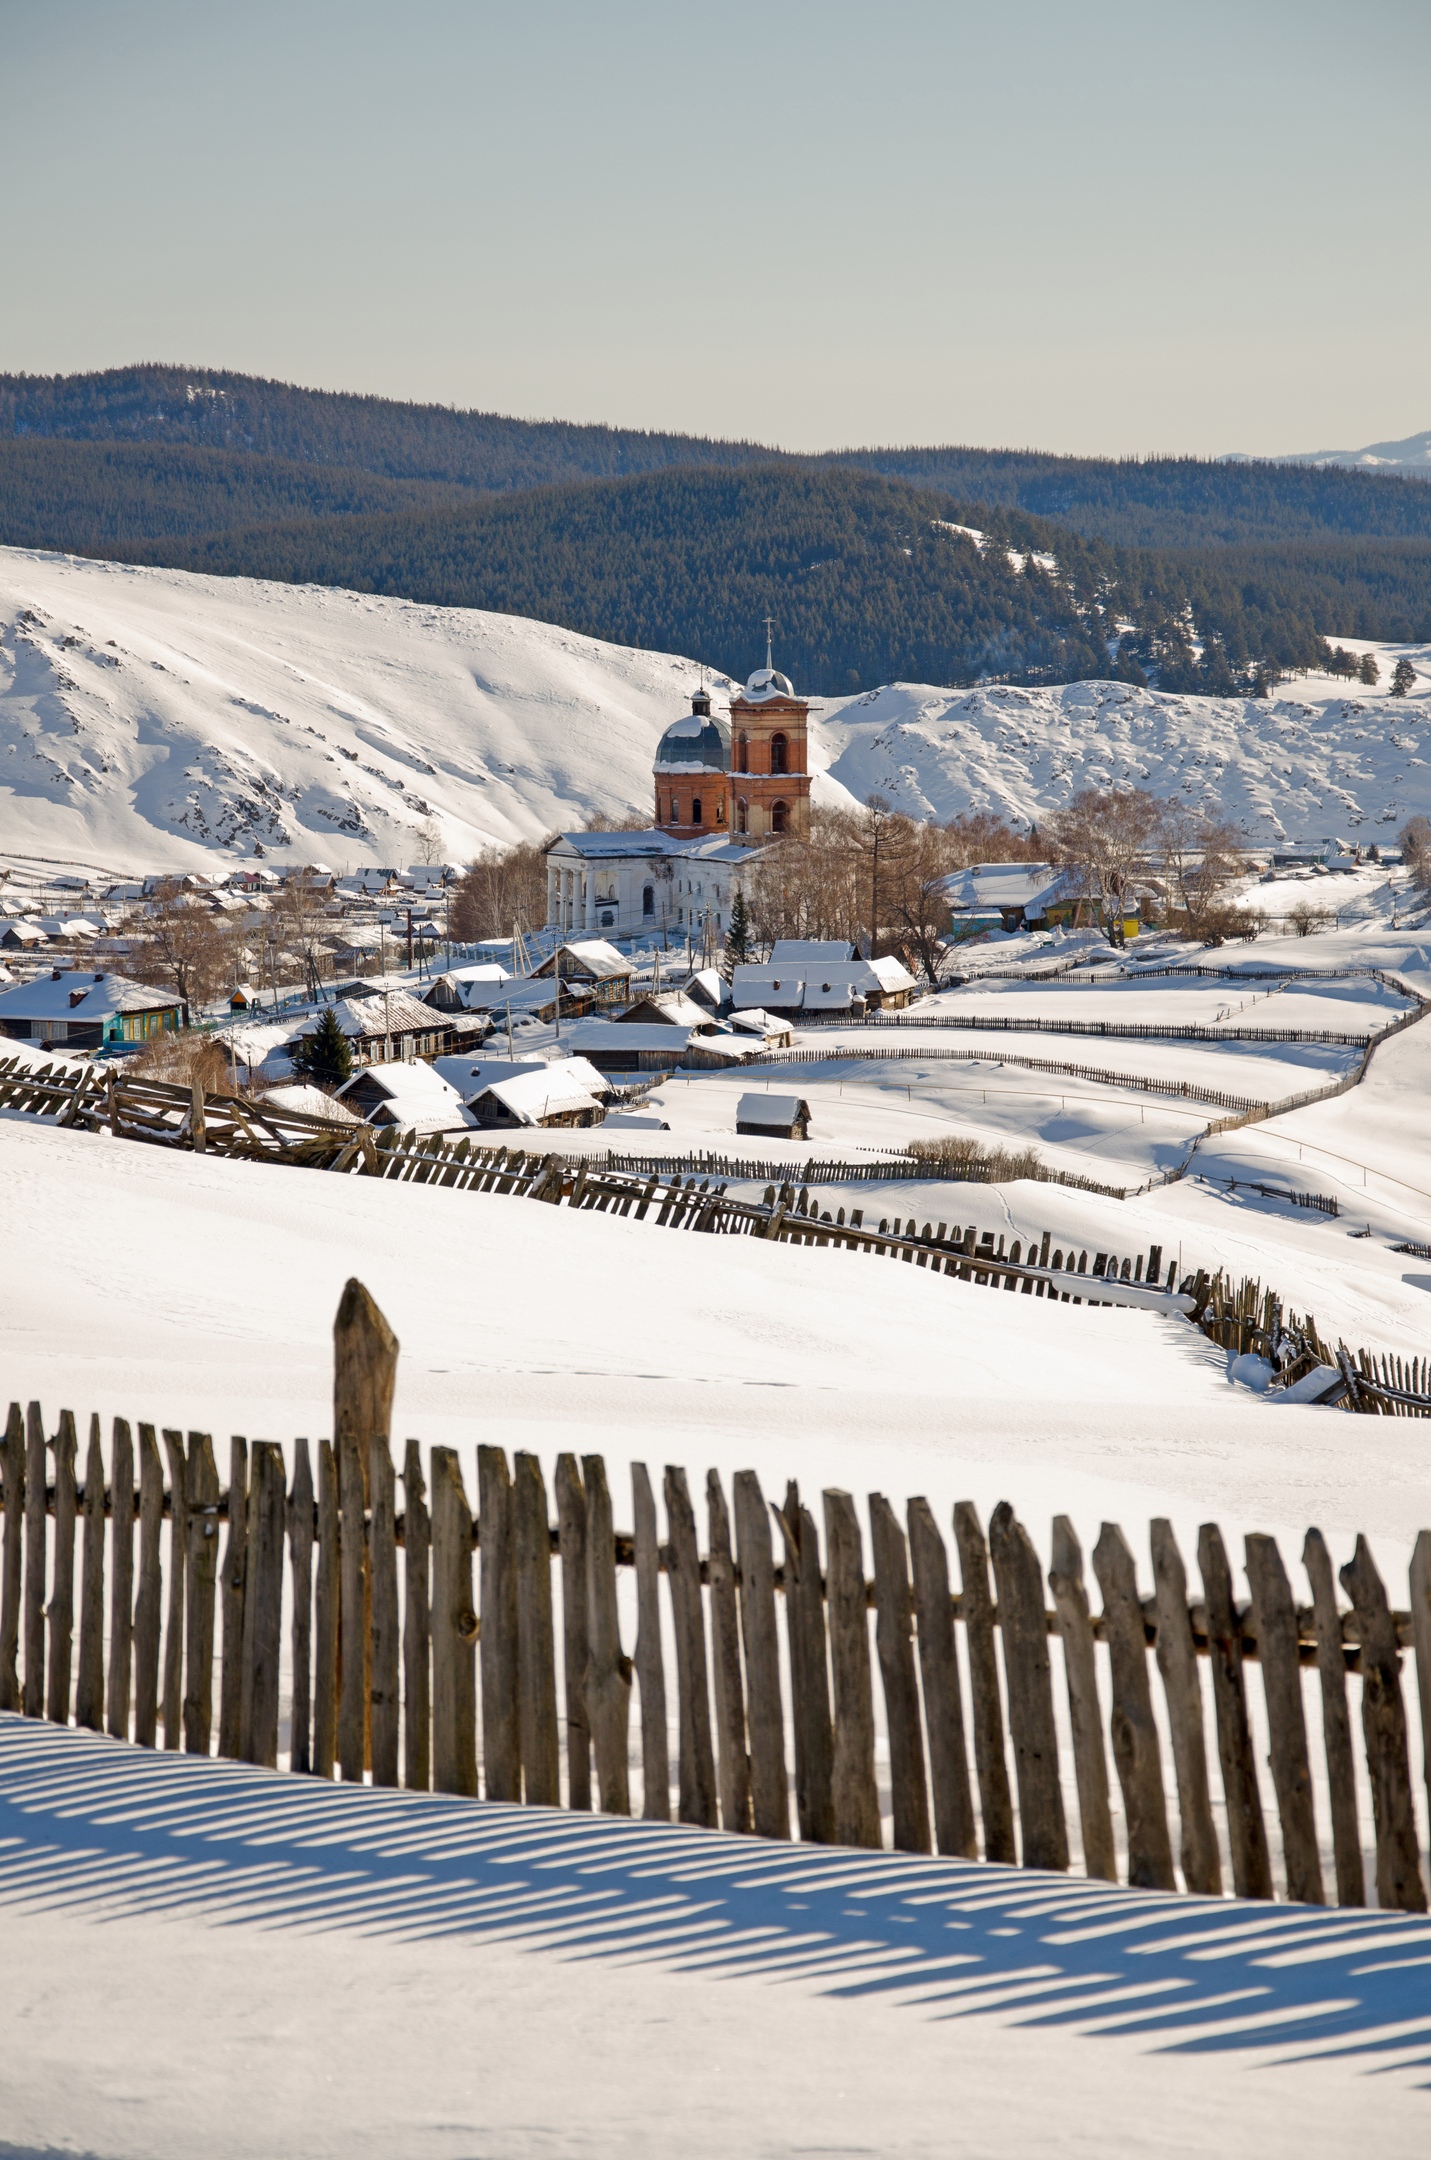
column 62, row 1594
column 202, row 1569
column 173, row 1706
column 1029, row 1679
column 149, row 1599
column 954, row 1829
column 497, row 1644
column 1246, row 1832
column 571, row 1534
column 1085, row 1716
column 1182, row 1691
column 32, row 1694
column 416, row 1625
column 536, row 1645
column 121, row 1579
column 327, row 1629
column 1336, row 1722
column 454, row 1632
column 695, row 1764
column 608, row 1672
column 856, row 1795
column 354, row 1606
column 1421, row 1636
column 733, row 1758
column 89, row 1684
column 894, row 1644
column 10, row 1593
column 384, row 1645
column 231, row 1580
column 995, row 1801
column 1399, row 1887
column 809, row 1672
column 262, row 1607
column 1275, row 1617
column 300, row 1574
column 1136, row 1754
column 769, row 1788
column 650, row 1671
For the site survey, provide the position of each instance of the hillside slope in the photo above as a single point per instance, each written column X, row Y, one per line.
column 150, row 718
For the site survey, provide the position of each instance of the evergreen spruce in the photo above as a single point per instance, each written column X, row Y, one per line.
column 326, row 1055
column 1403, row 678
column 737, row 939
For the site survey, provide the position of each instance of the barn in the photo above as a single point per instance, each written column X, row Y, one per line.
column 774, row 1117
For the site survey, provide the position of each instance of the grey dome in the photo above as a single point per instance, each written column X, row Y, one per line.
column 697, row 742
column 769, row 682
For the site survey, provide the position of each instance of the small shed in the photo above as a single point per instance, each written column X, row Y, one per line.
column 243, row 999
column 775, row 1117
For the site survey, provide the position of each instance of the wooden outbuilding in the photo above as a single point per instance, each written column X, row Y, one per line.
column 773, row 1117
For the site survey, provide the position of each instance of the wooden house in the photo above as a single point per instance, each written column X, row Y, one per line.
column 773, row 1117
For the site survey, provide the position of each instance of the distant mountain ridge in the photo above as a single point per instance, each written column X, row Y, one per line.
column 1410, row 457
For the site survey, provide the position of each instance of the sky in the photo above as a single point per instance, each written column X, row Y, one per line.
column 1123, row 227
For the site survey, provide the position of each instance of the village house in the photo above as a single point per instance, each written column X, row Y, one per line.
column 548, row 1096
column 394, row 1025
column 74, row 1010
column 591, row 972
column 774, row 1117
column 822, row 976
column 404, row 1093
column 1012, row 896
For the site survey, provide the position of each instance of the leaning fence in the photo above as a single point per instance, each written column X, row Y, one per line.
column 523, row 1684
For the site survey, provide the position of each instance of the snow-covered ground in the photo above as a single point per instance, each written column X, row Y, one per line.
column 149, row 718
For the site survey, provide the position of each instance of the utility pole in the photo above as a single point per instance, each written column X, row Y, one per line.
column 409, row 941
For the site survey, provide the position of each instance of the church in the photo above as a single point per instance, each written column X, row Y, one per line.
column 722, row 787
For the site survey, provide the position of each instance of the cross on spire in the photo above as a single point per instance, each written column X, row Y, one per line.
column 769, row 632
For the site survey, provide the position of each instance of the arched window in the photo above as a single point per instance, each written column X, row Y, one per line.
column 779, row 760
column 780, row 817
column 675, row 811
column 696, row 818
column 742, row 815
column 720, row 811
column 742, row 751
column 648, row 900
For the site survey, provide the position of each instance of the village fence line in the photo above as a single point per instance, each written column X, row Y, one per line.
column 407, row 1671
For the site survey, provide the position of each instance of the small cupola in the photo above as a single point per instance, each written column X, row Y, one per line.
column 701, row 702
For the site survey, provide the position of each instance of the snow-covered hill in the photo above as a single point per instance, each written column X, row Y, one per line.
column 149, row 718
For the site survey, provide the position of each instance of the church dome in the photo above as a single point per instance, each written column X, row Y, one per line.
column 696, row 743
column 769, row 682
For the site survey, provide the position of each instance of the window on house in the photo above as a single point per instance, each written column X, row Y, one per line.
column 743, row 752
column 696, row 818
column 779, row 761
column 780, row 817
column 648, row 900
column 675, row 811
column 742, row 815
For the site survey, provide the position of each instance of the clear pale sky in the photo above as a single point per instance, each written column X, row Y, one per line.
column 1121, row 226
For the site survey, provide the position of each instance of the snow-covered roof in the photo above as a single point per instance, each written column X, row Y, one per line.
column 672, row 1007
column 892, row 974
column 708, row 986
column 752, row 1021
column 71, row 994
column 470, row 1075
column 818, row 951
column 696, row 743
column 592, row 956
column 302, row 1095
column 393, row 1012
column 768, row 682
column 415, row 1094
column 763, row 1109
column 1030, row 886
column 550, row 1092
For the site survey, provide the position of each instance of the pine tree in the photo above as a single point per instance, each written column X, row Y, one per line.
column 737, row 938
column 1403, row 678
column 326, row 1055
column 1369, row 672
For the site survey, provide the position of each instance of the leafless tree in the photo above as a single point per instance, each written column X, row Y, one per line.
column 186, row 944
column 1415, row 839
column 504, row 886
column 1104, row 837
column 302, row 920
column 429, row 841
column 1200, row 857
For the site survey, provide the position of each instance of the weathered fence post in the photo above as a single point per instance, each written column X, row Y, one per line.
column 608, row 1685
column 809, row 1672
column 696, row 1777
column 384, row 1648
column 954, row 1830
column 121, row 1580
column 232, row 1594
column 571, row 1533
column 365, row 1355
column 1336, row 1723
column 1421, row 1637
column 1399, row 1887
column 1275, row 1617
column 178, row 1570
column 497, row 1644
column 995, row 1802
column 10, row 1594
column 769, row 1791
column 1135, row 1735
column 1029, row 1679
column 416, row 1625
column 855, row 1793
column 536, row 1645
column 327, row 1627
column 62, row 1594
column 262, row 1607
column 1177, row 1662
column 454, row 1632
column 1085, row 1716
column 202, row 1565
column 149, row 1600
column 734, row 1761
column 32, row 1698
column 89, row 1681
column 300, row 1571
column 894, row 1643
column 650, row 1671
column 1246, row 1835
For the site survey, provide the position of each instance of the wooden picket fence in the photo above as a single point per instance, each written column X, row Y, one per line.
column 406, row 1670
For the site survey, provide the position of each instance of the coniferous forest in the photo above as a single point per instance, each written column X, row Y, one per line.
column 1194, row 574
